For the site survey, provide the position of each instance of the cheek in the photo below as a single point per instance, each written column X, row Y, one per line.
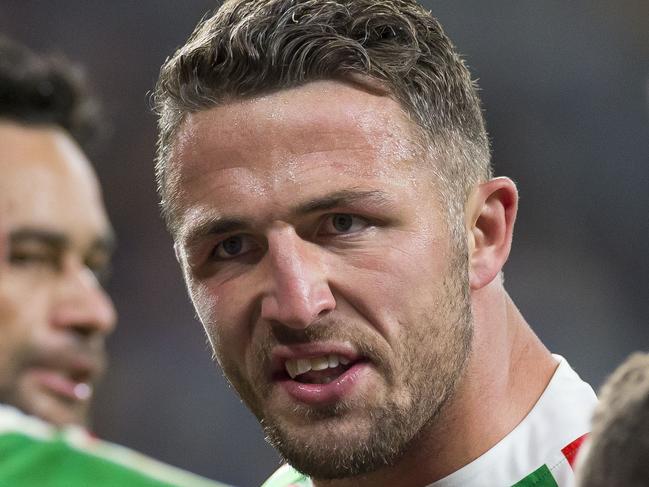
column 401, row 270
column 221, row 314
column 206, row 305
column 8, row 314
column 397, row 286
column 26, row 297
column 18, row 324
column 20, row 310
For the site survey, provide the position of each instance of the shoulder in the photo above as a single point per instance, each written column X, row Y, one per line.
column 33, row 452
column 542, row 448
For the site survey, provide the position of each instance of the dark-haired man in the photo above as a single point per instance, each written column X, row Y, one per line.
column 54, row 314
column 55, row 244
column 325, row 173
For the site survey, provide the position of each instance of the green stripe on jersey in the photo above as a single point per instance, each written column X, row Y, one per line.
column 541, row 477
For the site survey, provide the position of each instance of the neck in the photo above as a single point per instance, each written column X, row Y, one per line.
column 508, row 370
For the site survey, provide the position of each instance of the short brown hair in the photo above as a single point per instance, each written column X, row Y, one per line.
column 618, row 449
column 252, row 47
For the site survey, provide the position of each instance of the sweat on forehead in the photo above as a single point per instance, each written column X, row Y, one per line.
column 229, row 134
column 248, row 48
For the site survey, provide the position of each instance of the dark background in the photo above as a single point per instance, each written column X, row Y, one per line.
column 565, row 88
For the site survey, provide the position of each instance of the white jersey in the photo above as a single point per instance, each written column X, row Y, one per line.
column 539, row 452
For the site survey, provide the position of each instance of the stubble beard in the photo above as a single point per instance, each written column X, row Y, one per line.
column 342, row 445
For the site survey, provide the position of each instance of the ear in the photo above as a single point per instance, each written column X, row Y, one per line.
column 4, row 244
column 177, row 253
column 3, row 250
column 489, row 218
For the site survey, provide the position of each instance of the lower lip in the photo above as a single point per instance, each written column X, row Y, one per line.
column 60, row 385
column 322, row 394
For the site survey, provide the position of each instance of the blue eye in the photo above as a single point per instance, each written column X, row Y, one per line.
column 342, row 222
column 233, row 246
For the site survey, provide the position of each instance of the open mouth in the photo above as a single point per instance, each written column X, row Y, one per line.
column 320, row 374
column 68, row 385
column 322, row 369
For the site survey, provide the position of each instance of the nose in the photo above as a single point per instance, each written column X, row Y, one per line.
column 298, row 291
column 82, row 305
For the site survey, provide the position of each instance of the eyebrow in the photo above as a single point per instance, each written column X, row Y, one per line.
column 218, row 225
column 342, row 198
column 212, row 226
column 57, row 240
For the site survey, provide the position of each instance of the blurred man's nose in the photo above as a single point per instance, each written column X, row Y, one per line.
column 82, row 305
column 298, row 290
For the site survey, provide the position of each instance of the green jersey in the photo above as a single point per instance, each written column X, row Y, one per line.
column 34, row 453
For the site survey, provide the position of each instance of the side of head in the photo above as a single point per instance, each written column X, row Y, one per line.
column 57, row 241
column 395, row 47
column 617, row 451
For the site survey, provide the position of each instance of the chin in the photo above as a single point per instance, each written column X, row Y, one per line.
column 58, row 414
column 333, row 447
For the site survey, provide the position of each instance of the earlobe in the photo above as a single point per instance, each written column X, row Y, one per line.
column 489, row 217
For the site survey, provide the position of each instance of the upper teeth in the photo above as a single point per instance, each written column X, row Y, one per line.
column 295, row 367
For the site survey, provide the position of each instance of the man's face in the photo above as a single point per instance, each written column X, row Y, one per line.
column 54, row 315
column 321, row 267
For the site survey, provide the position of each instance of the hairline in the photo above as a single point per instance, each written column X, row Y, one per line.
column 425, row 143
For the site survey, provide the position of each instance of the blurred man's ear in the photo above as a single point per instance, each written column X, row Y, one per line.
column 489, row 219
column 177, row 253
column 4, row 247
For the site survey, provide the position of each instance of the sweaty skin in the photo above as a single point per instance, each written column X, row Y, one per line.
column 308, row 226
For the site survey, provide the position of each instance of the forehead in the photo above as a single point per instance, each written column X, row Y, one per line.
column 320, row 134
column 291, row 116
column 47, row 183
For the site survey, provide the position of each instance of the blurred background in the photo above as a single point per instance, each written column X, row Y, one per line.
column 566, row 92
